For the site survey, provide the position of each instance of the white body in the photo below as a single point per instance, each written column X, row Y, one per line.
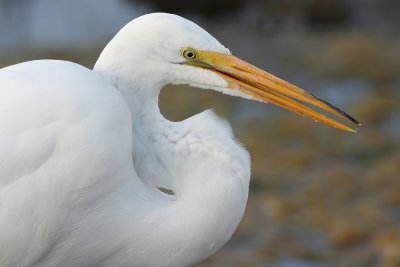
column 82, row 152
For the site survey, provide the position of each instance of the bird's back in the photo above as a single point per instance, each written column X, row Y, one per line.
column 53, row 116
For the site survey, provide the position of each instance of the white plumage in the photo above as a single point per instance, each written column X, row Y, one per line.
column 82, row 153
column 70, row 195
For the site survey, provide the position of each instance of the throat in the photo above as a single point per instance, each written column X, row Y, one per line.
column 153, row 139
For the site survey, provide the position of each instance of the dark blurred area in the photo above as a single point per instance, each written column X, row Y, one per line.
column 315, row 12
column 319, row 197
column 208, row 9
column 312, row 13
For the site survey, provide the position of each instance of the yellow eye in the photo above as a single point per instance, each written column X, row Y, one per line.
column 189, row 54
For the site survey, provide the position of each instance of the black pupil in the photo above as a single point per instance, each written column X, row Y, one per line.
column 190, row 54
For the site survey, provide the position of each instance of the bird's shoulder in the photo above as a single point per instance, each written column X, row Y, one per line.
column 53, row 82
column 52, row 110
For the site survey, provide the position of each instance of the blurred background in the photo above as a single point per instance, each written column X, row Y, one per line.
column 319, row 197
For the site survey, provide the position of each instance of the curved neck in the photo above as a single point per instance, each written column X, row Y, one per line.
column 210, row 197
column 148, row 124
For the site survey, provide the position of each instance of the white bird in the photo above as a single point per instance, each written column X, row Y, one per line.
column 83, row 152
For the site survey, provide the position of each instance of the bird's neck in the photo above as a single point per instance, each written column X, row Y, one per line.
column 209, row 199
column 151, row 131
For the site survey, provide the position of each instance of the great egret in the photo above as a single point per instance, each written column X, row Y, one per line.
column 82, row 152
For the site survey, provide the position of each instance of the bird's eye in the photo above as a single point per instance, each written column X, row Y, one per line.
column 189, row 54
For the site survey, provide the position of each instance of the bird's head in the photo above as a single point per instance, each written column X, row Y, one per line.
column 168, row 49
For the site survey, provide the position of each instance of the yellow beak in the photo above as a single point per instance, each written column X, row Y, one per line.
column 263, row 86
